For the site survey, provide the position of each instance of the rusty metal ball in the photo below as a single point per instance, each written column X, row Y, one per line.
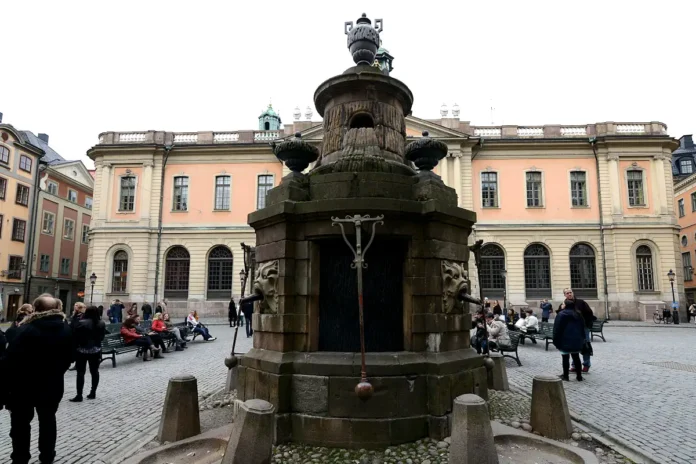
column 488, row 362
column 231, row 361
column 364, row 390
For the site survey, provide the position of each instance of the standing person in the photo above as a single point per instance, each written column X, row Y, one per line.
column 101, row 311
column 78, row 311
column 691, row 313
column 35, row 364
column 89, row 334
column 25, row 310
column 497, row 310
column 232, row 313
column 147, row 311
column 133, row 310
column 589, row 317
column 546, row 309
column 569, row 337
column 197, row 327
column 480, row 340
column 162, row 306
column 248, row 310
column 116, row 312
column 132, row 337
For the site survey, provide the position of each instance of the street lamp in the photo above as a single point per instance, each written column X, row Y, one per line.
column 92, row 280
column 503, row 274
column 675, row 314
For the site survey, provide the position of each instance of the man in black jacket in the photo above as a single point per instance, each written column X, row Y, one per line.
column 589, row 317
column 248, row 311
column 36, row 361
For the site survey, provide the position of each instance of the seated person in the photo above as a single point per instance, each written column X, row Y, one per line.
column 132, row 337
column 181, row 333
column 156, row 337
column 480, row 341
column 520, row 322
column 161, row 329
column 197, row 327
column 511, row 318
column 531, row 325
column 497, row 332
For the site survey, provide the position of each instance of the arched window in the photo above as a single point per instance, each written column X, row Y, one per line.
column 644, row 269
column 120, row 272
column 266, row 125
column 537, row 271
column 220, row 273
column 176, row 273
column 492, row 265
column 583, row 271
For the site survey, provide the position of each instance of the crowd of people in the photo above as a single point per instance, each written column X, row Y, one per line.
column 571, row 330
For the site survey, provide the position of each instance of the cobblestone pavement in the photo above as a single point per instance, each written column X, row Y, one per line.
column 651, row 407
column 129, row 400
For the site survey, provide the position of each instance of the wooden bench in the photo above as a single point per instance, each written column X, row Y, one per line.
column 597, row 330
column 509, row 348
column 114, row 344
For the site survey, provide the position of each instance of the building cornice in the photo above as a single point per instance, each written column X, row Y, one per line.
column 684, row 185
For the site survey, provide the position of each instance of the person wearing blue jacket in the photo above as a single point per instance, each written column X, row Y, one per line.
column 569, row 337
column 546, row 309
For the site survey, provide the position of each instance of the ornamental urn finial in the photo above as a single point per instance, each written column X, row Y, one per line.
column 425, row 153
column 363, row 39
column 296, row 154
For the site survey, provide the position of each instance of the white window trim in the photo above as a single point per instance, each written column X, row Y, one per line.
column 646, row 200
column 657, row 273
column 215, row 192
column 43, row 220
column 681, row 208
column 83, row 236
column 92, row 205
column 497, row 192
column 49, row 263
column 188, row 197
column 570, row 188
column 135, row 194
column 60, row 267
column 266, row 173
column 68, row 197
column 65, row 237
column 51, row 183
column 543, row 189
column 110, row 264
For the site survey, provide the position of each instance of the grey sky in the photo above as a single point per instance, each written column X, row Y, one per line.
column 75, row 69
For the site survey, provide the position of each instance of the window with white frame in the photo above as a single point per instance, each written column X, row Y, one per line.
column 52, row 187
column 693, row 202
column 265, row 183
column 44, row 263
column 68, row 229
column 88, row 202
column 681, row 207
column 127, row 194
column 489, row 189
column 222, row 192
column 120, row 272
column 3, row 188
column 636, row 196
column 49, row 222
column 180, row 198
column 4, row 155
column 644, row 269
column 25, row 163
column 85, row 233
column 65, row 266
column 578, row 188
column 534, row 190
column 686, row 166
column 688, row 270
column 72, row 195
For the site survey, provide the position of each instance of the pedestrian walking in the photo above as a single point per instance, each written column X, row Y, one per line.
column 88, row 335
column 588, row 317
column 35, row 366
column 569, row 338
column 691, row 313
column 248, row 310
column 232, row 313
column 546, row 309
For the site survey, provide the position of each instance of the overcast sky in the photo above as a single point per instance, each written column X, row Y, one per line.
column 75, row 69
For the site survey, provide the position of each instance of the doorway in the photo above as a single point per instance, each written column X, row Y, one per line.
column 12, row 307
column 63, row 296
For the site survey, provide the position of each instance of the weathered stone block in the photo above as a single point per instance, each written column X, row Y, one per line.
column 343, row 402
column 310, row 394
column 275, row 250
column 252, row 435
column 497, row 376
column 408, row 429
column 180, row 417
column 321, row 431
column 550, row 415
column 472, row 435
column 439, row 395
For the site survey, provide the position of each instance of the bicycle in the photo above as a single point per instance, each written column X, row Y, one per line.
column 659, row 318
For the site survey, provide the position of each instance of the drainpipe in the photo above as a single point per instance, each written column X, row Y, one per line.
column 593, row 144
column 167, row 149
column 32, row 230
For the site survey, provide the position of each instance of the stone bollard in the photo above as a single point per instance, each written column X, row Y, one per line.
column 497, row 375
column 232, row 378
column 180, row 418
column 550, row 415
column 251, row 440
column 472, row 435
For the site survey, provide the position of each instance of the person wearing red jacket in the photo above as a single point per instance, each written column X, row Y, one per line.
column 164, row 331
column 132, row 337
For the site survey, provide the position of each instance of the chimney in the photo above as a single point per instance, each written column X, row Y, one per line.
column 687, row 140
column 44, row 137
column 0, row 118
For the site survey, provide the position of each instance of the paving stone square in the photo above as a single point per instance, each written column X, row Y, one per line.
column 129, row 401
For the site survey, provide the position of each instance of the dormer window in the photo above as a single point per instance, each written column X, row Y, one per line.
column 686, row 166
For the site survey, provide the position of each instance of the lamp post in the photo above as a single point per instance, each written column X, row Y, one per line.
column 503, row 274
column 92, row 280
column 675, row 312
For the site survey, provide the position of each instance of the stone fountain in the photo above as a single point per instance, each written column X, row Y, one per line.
column 306, row 358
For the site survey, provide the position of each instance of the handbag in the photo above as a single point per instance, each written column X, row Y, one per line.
column 587, row 349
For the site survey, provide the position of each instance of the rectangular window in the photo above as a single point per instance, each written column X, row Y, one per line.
column 25, row 163
column 578, row 188
column 22, row 195
column 222, row 192
column 4, row 155
column 180, row 202
column 65, row 266
column 265, row 183
column 489, row 189
column 44, row 263
column 688, row 270
column 72, row 196
column 15, row 268
column 686, row 166
column 85, row 233
column 3, row 187
column 48, row 223
column 693, row 202
column 52, row 188
column 534, row 190
column 69, row 229
column 88, row 202
column 635, row 188
column 681, row 207
column 83, row 268
column 18, row 229
column 127, row 195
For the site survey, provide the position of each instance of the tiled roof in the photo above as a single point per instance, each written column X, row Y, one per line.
column 51, row 157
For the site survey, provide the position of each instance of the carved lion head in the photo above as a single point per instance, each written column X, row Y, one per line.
column 266, row 283
column 454, row 284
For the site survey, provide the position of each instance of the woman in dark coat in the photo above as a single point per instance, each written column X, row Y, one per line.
column 88, row 335
column 232, row 314
column 569, row 337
